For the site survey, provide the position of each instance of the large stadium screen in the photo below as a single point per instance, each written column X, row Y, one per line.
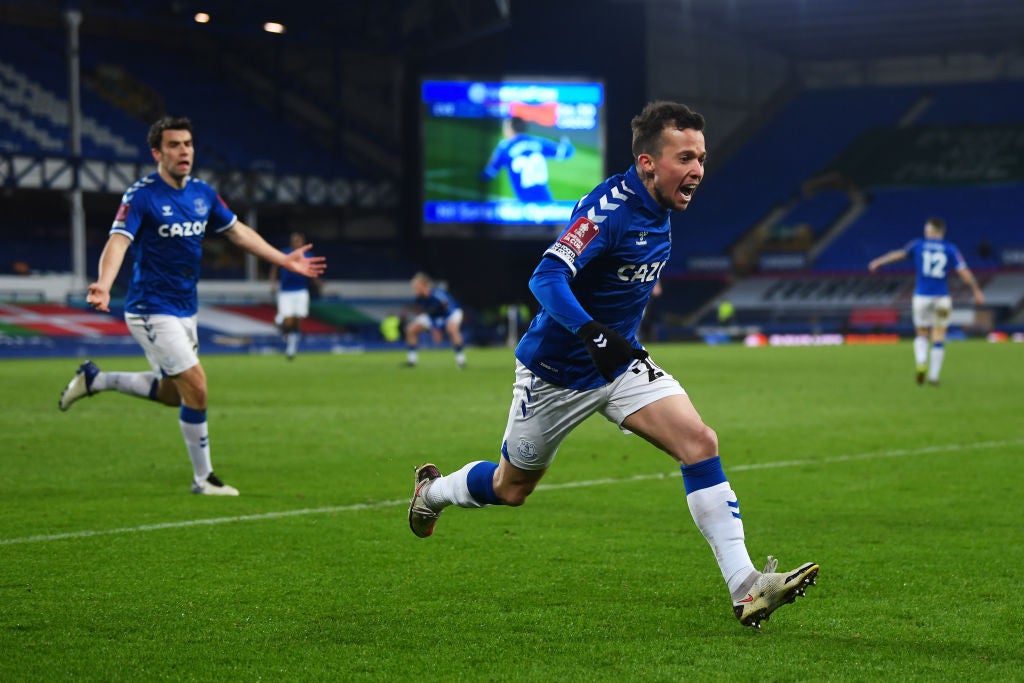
column 508, row 158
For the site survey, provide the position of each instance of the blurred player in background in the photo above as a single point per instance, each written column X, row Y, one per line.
column 164, row 217
column 933, row 258
column 525, row 157
column 292, row 292
column 580, row 356
column 437, row 312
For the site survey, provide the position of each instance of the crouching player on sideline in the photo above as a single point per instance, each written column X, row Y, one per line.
column 164, row 218
column 437, row 311
column 580, row 356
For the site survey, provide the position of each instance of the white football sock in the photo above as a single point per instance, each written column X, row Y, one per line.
column 131, row 383
column 292, row 343
column 921, row 351
column 197, row 441
column 452, row 490
column 935, row 366
column 717, row 514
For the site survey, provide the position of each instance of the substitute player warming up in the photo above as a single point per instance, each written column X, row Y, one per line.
column 580, row 356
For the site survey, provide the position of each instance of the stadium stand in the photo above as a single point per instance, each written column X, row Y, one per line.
column 816, row 212
column 36, row 120
column 235, row 134
column 902, row 155
column 766, row 179
column 803, row 200
column 982, row 220
column 772, row 167
column 974, row 103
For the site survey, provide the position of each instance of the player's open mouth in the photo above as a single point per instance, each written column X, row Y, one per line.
column 688, row 190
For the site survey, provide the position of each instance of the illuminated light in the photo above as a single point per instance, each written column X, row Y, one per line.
column 202, row 18
column 273, row 27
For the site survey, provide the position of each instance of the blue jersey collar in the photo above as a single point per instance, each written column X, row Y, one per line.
column 634, row 183
column 156, row 174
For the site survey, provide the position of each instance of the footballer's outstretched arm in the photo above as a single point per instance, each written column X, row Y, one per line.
column 251, row 241
column 968, row 277
column 887, row 258
column 110, row 265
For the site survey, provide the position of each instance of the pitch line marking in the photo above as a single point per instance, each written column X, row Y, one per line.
column 895, row 453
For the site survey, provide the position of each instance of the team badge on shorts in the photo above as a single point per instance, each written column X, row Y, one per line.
column 527, row 450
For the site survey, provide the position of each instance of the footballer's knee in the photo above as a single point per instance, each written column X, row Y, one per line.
column 191, row 387
column 167, row 393
column 702, row 446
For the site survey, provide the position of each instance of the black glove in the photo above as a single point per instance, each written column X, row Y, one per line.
column 607, row 348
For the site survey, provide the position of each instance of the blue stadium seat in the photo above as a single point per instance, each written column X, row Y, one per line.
column 232, row 131
column 979, row 219
column 770, row 169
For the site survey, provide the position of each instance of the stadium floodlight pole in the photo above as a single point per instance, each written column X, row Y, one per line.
column 73, row 18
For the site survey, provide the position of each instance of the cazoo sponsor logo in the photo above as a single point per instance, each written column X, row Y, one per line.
column 186, row 229
column 632, row 272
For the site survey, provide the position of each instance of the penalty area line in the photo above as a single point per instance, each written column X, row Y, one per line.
column 357, row 507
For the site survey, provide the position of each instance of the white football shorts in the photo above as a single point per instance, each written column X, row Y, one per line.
column 931, row 311
column 543, row 414
column 292, row 304
column 429, row 323
column 171, row 343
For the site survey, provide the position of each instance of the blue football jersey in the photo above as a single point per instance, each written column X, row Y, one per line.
column 524, row 157
column 167, row 226
column 612, row 252
column 438, row 304
column 934, row 259
column 290, row 281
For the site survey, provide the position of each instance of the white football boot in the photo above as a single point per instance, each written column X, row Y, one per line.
column 772, row 590
column 421, row 518
column 213, row 486
column 80, row 385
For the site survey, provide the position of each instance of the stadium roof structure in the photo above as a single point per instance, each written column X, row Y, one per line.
column 800, row 30
column 811, row 30
column 393, row 26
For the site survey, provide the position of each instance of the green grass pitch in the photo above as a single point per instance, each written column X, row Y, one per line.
column 909, row 497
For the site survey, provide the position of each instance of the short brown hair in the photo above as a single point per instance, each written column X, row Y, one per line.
column 156, row 131
column 656, row 117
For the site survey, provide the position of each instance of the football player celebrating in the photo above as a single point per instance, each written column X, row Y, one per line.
column 931, row 306
column 164, row 218
column 580, row 356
